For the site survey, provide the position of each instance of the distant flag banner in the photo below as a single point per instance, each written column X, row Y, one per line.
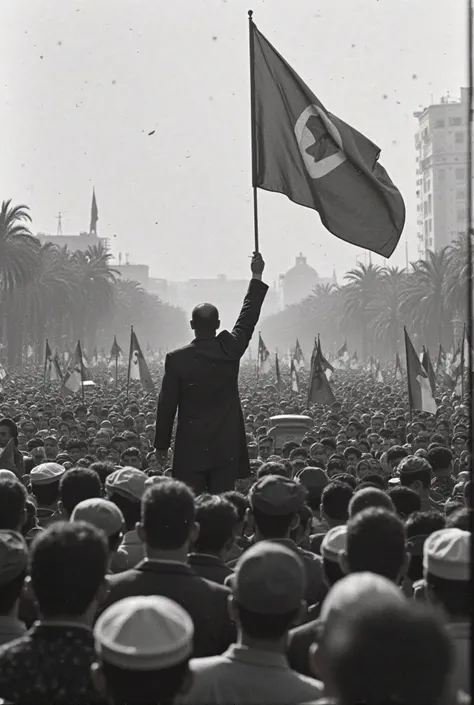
column 74, row 376
column 354, row 362
column 137, row 367
column 52, row 368
column 264, row 364
column 419, row 388
column 56, row 374
column 298, row 356
column 327, row 368
column 94, row 215
column 398, row 369
column 319, row 389
column 277, row 372
column 441, row 361
column 3, row 372
column 295, row 380
column 379, row 374
column 308, row 154
column 428, row 367
column 115, row 352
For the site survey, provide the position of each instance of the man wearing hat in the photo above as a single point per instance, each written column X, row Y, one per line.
column 446, row 572
column 104, row 515
column 45, row 480
column 143, row 645
column 13, row 567
column 415, row 472
column 274, row 505
column 126, row 487
column 268, row 590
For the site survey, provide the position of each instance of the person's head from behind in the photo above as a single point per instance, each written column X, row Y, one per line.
column 143, row 645
column 274, row 505
column 241, row 505
column 268, row 589
column 76, row 485
column 205, row 320
column 418, row 527
column 105, row 516
column 168, row 518
column 441, row 461
column 405, row 500
column 13, row 569
column 446, row 571
column 379, row 650
column 366, row 497
column 332, row 546
column 217, row 518
column 13, row 498
column 335, row 500
column 68, row 567
column 272, row 468
column 375, row 542
column 415, row 472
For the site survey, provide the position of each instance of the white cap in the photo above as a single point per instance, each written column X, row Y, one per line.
column 128, row 482
column 144, row 633
column 334, row 542
column 46, row 473
column 101, row 513
column 7, row 475
column 447, row 554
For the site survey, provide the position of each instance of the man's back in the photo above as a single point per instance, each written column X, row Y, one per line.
column 205, row 601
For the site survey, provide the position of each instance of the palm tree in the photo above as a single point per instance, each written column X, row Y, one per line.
column 385, row 313
column 18, row 251
column 359, row 293
column 457, row 283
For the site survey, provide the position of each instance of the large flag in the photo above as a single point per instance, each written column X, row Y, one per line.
column 94, row 215
column 137, row 367
column 277, row 372
column 263, row 356
column 316, row 159
column 319, row 389
column 75, row 373
column 295, row 379
column 419, row 387
column 298, row 356
column 328, row 369
column 398, row 368
column 428, row 367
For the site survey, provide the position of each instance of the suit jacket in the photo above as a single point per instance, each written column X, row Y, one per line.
column 201, row 382
column 209, row 567
column 205, row 601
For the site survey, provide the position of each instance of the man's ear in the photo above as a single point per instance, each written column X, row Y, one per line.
column 343, row 562
column 218, row 325
column 194, row 533
column 140, row 529
column 191, row 324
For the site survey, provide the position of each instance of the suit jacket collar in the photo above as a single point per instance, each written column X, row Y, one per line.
column 205, row 559
column 161, row 567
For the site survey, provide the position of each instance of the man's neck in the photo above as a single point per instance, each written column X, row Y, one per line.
column 220, row 555
column 275, row 647
column 200, row 335
column 179, row 555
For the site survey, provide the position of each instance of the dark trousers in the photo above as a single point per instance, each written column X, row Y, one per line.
column 214, row 481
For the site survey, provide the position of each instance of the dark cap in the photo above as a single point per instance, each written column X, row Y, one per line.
column 277, row 496
column 269, row 579
column 312, row 477
column 13, row 555
column 412, row 464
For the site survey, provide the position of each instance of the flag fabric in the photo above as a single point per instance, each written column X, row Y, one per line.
column 419, row 387
column 319, row 389
column 95, row 357
column 264, row 364
column 317, row 160
column 55, row 374
column 74, row 377
column 115, row 351
column 277, row 371
column 94, row 215
column 441, row 361
column 328, row 369
column 378, row 373
column 3, row 372
column 7, row 457
column 343, row 354
column 298, row 357
column 398, row 368
column 137, row 367
column 30, row 352
column 295, row 379
column 52, row 368
column 457, row 363
column 354, row 362
column 428, row 367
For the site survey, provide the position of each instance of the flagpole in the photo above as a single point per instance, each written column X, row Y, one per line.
column 253, row 129
column 470, row 26
column 45, row 363
column 410, row 400
column 82, row 368
column 116, row 370
column 129, row 360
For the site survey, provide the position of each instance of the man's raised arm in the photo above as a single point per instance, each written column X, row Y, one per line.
column 250, row 313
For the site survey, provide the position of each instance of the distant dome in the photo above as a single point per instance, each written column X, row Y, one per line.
column 299, row 281
column 301, row 269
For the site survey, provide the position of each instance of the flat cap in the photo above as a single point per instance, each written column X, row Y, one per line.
column 128, row 482
column 447, row 554
column 101, row 513
column 269, row 578
column 413, row 463
column 334, row 542
column 7, row 475
column 46, row 473
column 276, row 495
column 13, row 555
column 312, row 477
column 144, row 633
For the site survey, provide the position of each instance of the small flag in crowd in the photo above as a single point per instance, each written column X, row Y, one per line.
column 75, row 373
column 398, row 368
column 428, row 367
column 52, row 368
column 419, row 387
column 263, row 356
column 441, row 361
column 354, row 362
column 319, row 390
column 295, row 380
column 115, row 351
column 316, row 159
column 94, row 215
column 378, row 373
column 137, row 367
column 3, row 372
column 30, row 352
column 343, row 354
column 298, row 356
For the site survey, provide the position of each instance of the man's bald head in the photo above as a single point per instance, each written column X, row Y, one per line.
column 205, row 319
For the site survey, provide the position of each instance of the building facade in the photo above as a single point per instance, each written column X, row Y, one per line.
column 73, row 243
column 441, row 173
column 300, row 281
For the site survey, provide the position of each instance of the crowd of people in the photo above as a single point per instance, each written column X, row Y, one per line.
column 141, row 565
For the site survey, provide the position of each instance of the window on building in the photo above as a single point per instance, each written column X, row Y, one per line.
column 459, row 137
column 425, row 208
column 460, row 194
column 430, row 225
column 439, row 123
column 461, row 213
column 430, row 203
column 426, row 228
column 460, row 174
column 455, row 121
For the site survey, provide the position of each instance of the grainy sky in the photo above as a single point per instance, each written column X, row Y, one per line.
column 83, row 83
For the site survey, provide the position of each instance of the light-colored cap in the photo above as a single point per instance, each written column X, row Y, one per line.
column 128, row 482
column 144, row 633
column 153, row 479
column 101, row 513
column 7, row 475
column 356, row 589
column 334, row 542
column 46, row 473
column 447, row 554
column 13, row 556
column 269, row 578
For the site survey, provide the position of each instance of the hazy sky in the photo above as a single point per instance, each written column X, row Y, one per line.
column 83, row 83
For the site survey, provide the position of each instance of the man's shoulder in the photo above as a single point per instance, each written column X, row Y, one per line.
column 308, row 629
column 14, row 650
column 207, row 663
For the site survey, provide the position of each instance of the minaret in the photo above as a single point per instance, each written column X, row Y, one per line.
column 334, row 278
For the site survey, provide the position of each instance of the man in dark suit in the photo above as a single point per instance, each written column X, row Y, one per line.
column 201, row 382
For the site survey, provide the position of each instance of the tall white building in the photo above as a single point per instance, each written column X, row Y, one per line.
column 441, row 173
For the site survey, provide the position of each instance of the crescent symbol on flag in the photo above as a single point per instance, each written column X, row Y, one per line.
column 305, row 138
